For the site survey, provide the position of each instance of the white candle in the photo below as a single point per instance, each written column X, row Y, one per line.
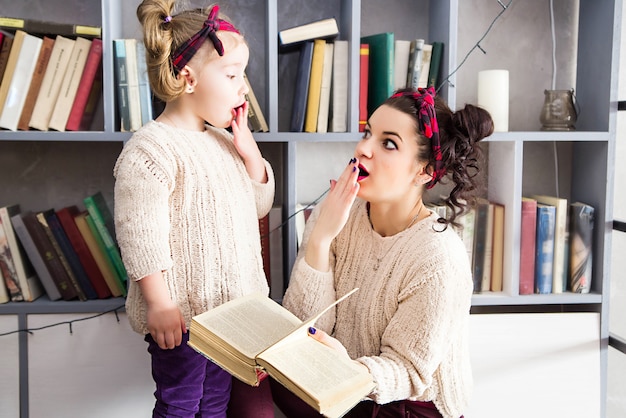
column 493, row 96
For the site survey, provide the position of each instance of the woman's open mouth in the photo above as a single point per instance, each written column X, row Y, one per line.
column 363, row 173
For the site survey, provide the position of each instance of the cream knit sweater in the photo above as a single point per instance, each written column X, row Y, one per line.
column 185, row 205
column 409, row 320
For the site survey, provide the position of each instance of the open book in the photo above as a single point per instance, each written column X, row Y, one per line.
column 254, row 335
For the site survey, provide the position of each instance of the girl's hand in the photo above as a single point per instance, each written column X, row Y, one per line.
column 328, row 341
column 246, row 145
column 166, row 325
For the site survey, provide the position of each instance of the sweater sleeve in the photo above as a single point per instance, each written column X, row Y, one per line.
column 142, row 190
column 264, row 192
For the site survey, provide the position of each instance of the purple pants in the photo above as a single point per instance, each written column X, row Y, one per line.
column 188, row 385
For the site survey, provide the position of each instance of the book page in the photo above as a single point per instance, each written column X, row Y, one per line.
column 249, row 324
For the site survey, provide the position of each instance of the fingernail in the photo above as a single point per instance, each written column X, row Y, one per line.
column 312, row 330
column 353, row 169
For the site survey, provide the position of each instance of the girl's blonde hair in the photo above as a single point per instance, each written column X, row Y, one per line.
column 163, row 33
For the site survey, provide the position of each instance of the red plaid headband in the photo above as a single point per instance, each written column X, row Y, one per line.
column 427, row 120
column 212, row 24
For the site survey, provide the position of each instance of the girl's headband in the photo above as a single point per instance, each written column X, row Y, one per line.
column 427, row 121
column 183, row 54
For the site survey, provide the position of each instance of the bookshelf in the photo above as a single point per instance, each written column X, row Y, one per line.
column 50, row 169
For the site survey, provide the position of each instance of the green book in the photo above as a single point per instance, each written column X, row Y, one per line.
column 381, row 68
column 96, row 234
column 103, row 220
column 435, row 64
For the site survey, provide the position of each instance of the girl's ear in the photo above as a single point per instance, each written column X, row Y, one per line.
column 189, row 75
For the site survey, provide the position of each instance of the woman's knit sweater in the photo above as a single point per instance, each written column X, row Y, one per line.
column 185, row 205
column 409, row 320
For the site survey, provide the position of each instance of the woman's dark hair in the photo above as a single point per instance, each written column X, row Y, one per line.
column 458, row 133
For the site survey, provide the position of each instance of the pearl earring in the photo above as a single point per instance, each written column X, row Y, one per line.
column 189, row 89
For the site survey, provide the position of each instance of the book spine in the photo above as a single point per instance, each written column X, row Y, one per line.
column 61, row 257
column 435, row 64
column 480, row 238
column 121, row 82
column 134, row 96
column 10, row 67
column 315, row 85
column 327, row 72
column 581, row 247
column 7, row 268
column 119, row 283
column 339, row 91
column 301, row 91
column 144, row 84
column 35, row 83
column 527, row 247
column 7, row 43
column 87, row 80
column 544, row 250
column 43, row 27
column 364, row 59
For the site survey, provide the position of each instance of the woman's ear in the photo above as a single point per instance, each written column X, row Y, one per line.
column 424, row 175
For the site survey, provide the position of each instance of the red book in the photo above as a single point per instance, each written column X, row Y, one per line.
column 363, row 80
column 66, row 217
column 527, row 246
column 264, row 231
column 88, row 80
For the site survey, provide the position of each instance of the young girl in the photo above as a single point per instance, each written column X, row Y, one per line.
column 408, row 322
column 188, row 196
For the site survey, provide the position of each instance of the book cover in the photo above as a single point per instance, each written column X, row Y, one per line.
column 339, row 88
column 7, row 268
column 69, row 86
column 17, row 87
column 255, row 113
column 381, row 72
column 319, row 29
column 96, row 248
column 544, row 248
column 49, row 256
column 35, row 83
column 51, row 83
column 103, row 220
column 280, row 348
column 435, row 65
column 29, row 283
column 327, row 73
column 66, row 218
column 364, row 60
column 427, row 51
column 561, row 236
column 416, row 51
column 301, row 90
column 480, row 240
column 60, row 256
column 35, row 257
column 528, row 230
column 402, row 50
column 315, row 86
column 11, row 64
column 5, row 50
column 581, row 247
column 145, row 94
column 497, row 254
column 132, row 75
column 69, row 253
column 121, row 84
column 43, row 27
column 91, row 71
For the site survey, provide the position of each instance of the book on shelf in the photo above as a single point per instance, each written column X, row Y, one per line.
column 561, row 235
column 66, row 217
column 132, row 75
column 145, row 94
column 544, row 248
column 497, row 253
column 487, row 258
column 102, row 218
column 435, row 64
column 427, row 51
column 264, row 233
column 91, row 76
column 276, row 252
column 60, row 256
column 467, row 230
column 416, row 51
column 364, row 60
column 528, row 228
column 68, row 251
column 5, row 49
column 35, row 257
column 315, row 86
column 281, row 348
column 51, row 83
column 96, row 248
column 29, row 283
column 480, row 241
column 11, row 64
column 327, row 74
column 42, row 27
column 49, row 255
column 17, row 86
column 402, row 49
column 255, row 113
column 35, row 83
column 4, row 293
column 301, row 90
column 339, row 88
column 319, row 29
column 381, row 72
column 121, row 85
column 69, row 86
column 581, row 219
column 8, row 271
